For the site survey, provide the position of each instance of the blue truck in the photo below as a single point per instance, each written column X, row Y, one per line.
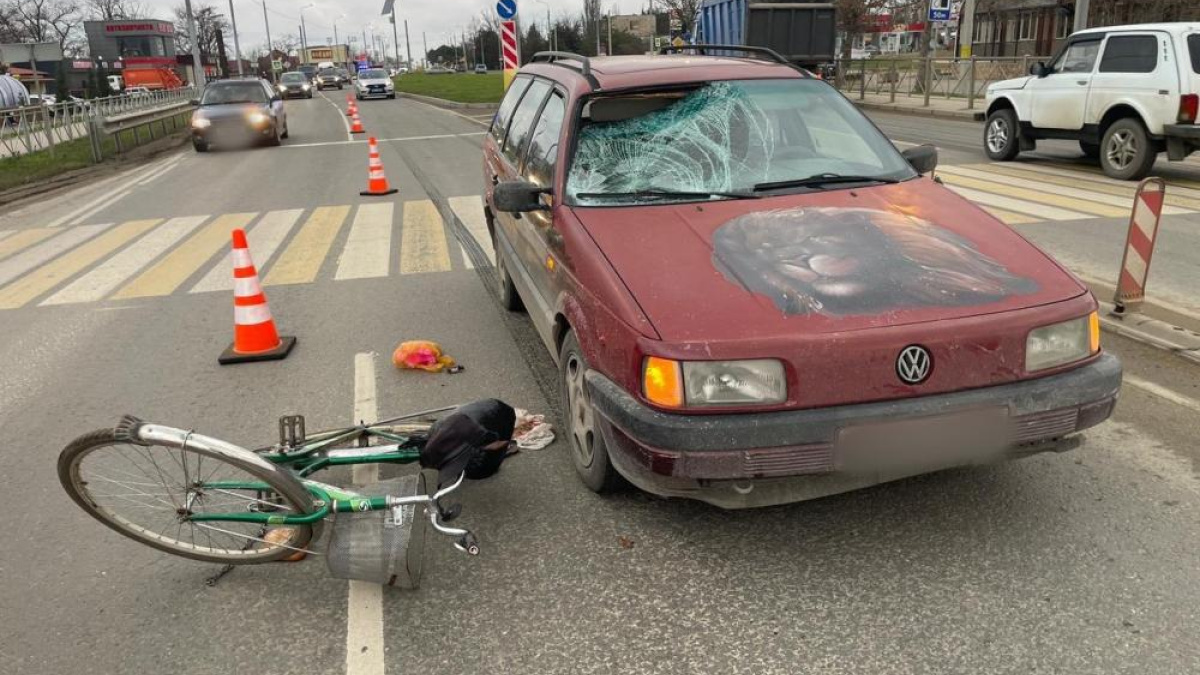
column 803, row 32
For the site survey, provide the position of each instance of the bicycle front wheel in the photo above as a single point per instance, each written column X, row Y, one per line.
column 147, row 492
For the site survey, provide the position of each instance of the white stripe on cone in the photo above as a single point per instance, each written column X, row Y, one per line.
column 246, row 287
column 251, row 315
column 241, row 258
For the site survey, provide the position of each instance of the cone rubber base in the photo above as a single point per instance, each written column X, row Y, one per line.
column 368, row 193
column 360, row 131
column 286, row 342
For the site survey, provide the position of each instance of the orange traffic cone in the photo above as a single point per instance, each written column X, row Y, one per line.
column 377, row 183
column 355, row 123
column 351, row 106
column 254, row 334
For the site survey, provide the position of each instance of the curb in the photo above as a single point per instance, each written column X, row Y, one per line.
column 915, row 111
column 1160, row 334
column 441, row 102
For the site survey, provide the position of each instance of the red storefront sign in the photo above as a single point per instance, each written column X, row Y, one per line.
column 159, row 27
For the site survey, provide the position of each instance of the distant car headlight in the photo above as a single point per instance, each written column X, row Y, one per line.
column 201, row 123
column 712, row 383
column 281, row 88
column 306, row 87
column 1062, row 343
column 257, row 118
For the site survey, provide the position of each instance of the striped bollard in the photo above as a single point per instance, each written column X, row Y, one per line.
column 1139, row 244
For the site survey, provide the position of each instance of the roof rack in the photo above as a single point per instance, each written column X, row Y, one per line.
column 585, row 64
column 765, row 52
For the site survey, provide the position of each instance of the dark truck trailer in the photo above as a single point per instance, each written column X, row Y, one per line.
column 804, row 32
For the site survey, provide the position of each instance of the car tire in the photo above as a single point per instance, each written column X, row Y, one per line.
column 286, row 132
column 200, row 146
column 1090, row 150
column 274, row 141
column 1000, row 140
column 358, row 97
column 506, row 293
column 588, row 451
column 309, row 95
column 392, row 97
column 1126, row 152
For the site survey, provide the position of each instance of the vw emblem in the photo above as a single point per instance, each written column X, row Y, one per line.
column 914, row 364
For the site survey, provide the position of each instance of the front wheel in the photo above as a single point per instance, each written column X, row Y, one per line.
column 1126, row 152
column 392, row 96
column 1000, row 140
column 506, row 291
column 147, row 492
column 588, row 449
column 200, row 146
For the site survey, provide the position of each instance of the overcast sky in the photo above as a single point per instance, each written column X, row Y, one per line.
column 438, row 19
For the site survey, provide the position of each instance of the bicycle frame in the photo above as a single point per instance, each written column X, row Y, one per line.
column 308, row 458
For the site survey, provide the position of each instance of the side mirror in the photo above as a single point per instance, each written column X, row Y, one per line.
column 518, row 196
column 194, row 102
column 1038, row 69
column 923, row 158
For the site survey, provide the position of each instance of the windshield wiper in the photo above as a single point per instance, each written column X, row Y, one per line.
column 666, row 194
column 820, row 179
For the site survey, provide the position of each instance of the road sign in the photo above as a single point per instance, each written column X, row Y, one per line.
column 277, row 65
column 510, row 49
column 939, row 10
column 1139, row 245
column 678, row 41
column 507, row 9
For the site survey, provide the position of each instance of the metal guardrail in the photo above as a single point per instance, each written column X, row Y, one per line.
column 41, row 127
column 927, row 78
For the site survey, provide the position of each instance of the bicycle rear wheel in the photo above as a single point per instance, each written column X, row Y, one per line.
column 145, row 492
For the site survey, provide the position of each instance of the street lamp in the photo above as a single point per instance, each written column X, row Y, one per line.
column 335, row 35
column 304, row 33
column 550, row 37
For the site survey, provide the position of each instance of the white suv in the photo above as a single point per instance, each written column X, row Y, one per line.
column 1126, row 93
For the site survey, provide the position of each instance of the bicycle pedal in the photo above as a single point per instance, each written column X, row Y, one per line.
column 291, row 431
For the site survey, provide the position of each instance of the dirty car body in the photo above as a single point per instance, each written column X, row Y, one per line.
column 770, row 302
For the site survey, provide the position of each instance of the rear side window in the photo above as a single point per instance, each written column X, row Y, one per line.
column 522, row 119
column 507, row 105
column 1194, row 48
column 542, row 156
column 1130, row 54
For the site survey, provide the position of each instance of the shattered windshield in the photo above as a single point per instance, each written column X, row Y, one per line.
column 724, row 137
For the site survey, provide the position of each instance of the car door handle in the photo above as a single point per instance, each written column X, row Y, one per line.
column 1082, row 83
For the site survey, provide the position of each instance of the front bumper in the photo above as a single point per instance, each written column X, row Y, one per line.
column 760, row 459
column 230, row 133
column 1182, row 140
column 376, row 94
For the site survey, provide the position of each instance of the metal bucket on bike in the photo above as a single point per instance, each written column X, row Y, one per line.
column 385, row 547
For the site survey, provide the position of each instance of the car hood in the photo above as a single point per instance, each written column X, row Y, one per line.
column 294, row 84
column 229, row 110
column 365, row 82
column 1008, row 85
column 821, row 262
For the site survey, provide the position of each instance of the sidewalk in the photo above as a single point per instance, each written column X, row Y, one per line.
column 915, row 105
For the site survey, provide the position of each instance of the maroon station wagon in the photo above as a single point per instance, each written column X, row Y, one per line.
column 753, row 298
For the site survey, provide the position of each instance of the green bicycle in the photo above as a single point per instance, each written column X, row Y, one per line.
column 205, row 499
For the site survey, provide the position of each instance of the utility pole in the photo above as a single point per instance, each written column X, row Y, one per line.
column 425, row 44
column 1081, row 14
column 303, row 43
column 395, row 36
column 270, row 47
column 197, row 64
column 366, row 47
column 408, row 44
column 610, row 51
column 237, row 48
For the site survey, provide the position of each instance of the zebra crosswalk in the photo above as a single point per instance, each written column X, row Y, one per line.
column 1022, row 193
column 157, row 257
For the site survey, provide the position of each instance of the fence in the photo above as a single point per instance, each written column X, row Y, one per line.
column 928, row 78
column 42, row 127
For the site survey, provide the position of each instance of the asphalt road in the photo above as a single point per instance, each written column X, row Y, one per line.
column 1077, row 563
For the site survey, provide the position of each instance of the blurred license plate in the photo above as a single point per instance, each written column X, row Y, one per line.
column 925, row 443
column 374, row 89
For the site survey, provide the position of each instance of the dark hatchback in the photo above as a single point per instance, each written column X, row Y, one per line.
column 238, row 113
column 294, row 85
column 329, row 79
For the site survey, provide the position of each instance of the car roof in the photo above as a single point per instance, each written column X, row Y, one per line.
column 626, row 72
column 1176, row 28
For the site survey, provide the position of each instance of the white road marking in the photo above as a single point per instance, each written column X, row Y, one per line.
column 1090, row 177
column 452, row 112
column 341, row 114
column 1162, row 392
column 385, row 140
column 90, row 207
column 1018, row 205
column 5, row 233
column 104, row 279
column 264, row 238
column 470, row 211
column 71, row 237
column 364, row 605
column 368, row 251
column 1032, row 184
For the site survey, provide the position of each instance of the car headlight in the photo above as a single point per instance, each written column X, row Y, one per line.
column 281, row 88
column 1062, row 343
column 306, row 87
column 257, row 118
column 674, row 384
column 201, row 123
